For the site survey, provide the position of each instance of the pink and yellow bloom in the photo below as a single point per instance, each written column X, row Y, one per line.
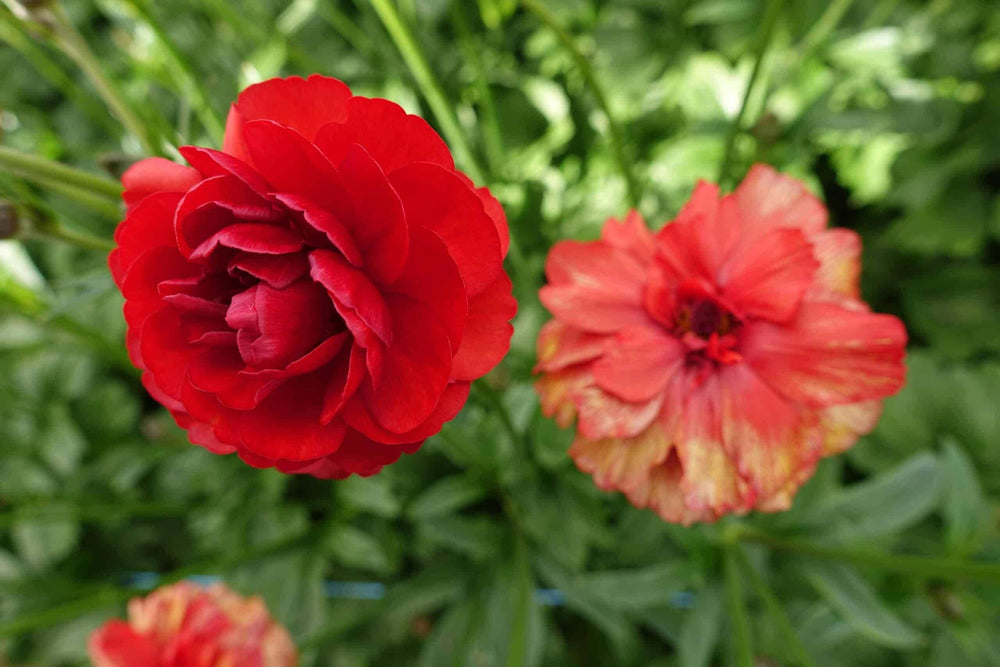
column 711, row 365
column 184, row 625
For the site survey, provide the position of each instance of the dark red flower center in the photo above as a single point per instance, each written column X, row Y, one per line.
column 707, row 328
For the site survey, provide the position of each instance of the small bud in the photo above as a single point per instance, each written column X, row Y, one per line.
column 767, row 129
column 8, row 220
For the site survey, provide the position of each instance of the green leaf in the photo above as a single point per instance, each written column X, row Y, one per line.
column 476, row 537
column 964, row 504
column 60, row 442
column 370, row 494
column 888, row 503
column 640, row 588
column 700, row 632
column 10, row 567
column 43, row 542
column 860, row 606
column 355, row 548
column 446, row 496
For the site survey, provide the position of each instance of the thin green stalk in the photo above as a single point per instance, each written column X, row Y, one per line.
column 881, row 12
column 12, row 32
column 96, row 203
column 617, row 137
column 429, row 86
column 182, row 73
column 918, row 566
column 112, row 595
column 45, row 172
column 346, row 28
column 771, row 14
column 76, row 47
column 492, row 136
column 54, row 230
column 826, row 23
column 790, row 638
column 737, row 609
column 489, row 396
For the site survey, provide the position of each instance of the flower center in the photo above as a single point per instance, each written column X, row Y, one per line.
column 707, row 329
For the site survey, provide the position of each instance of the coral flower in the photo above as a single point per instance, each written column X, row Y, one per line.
column 318, row 295
column 183, row 625
column 712, row 364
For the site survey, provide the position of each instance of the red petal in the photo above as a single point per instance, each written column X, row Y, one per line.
column 622, row 463
column 560, row 346
column 148, row 225
column 165, row 351
column 828, row 354
column 278, row 271
column 357, row 300
column 347, row 376
column 156, row 174
column 357, row 416
column 838, row 252
column 217, row 371
column 430, row 276
column 390, row 135
column 304, row 105
column 438, row 200
column 380, row 228
column 594, row 286
column 497, row 215
column 638, row 364
column 213, row 163
column 769, row 275
column 214, row 204
column 630, row 235
column 487, row 331
column 703, row 236
column 321, row 220
column 250, row 237
column 358, row 455
column 292, row 165
column 415, row 369
column 116, row 644
column 768, row 199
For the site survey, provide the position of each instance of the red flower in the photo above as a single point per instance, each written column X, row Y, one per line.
column 711, row 365
column 186, row 626
column 319, row 295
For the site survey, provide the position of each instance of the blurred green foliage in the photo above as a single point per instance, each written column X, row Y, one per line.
column 887, row 108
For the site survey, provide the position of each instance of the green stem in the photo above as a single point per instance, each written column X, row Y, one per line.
column 737, row 609
column 614, row 129
column 53, row 230
column 790, row 638
column 346, row 28
column 112, row 596
column 96, row 203
column 429, row 86
column 489, row 396
column 771, row 14
column 182, row 73
column 826, row 23
column 472, row 48
column 75, row 46
column 47, row 172
column 918, row 566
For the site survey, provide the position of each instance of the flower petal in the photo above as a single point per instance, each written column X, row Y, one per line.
column 304, row 105
column 769, row 275
column 156, row 174
column 358, row 417
column 438, row 200
column 838, row 252
column 355, row 297
column 560, row 346
column 390, row 135
column 487, row 332
column 150, row 224
column 622, row 463
column 415, row 369
column 638, row 364
column 828, row 354
column 768, row 199
column 842, row 425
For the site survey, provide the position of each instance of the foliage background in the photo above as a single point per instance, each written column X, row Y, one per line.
column 888, row 108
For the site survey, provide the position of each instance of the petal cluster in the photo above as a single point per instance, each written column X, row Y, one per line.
column 710, row 366
column 183, row 625
column 318, row 295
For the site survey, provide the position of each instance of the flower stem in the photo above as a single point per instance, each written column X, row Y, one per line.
column 75, row 46
column 918, row 566
column 182, row 73
column 771, row 14
column 48, row 172
column 790, row 638
column 616, row 135
column 429, row 86
column 51, row 229
column 737, row 610
column 826, row 23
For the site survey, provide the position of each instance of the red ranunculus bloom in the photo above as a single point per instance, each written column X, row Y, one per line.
column 711, row 365
column 184, row 625
column 318, row 295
